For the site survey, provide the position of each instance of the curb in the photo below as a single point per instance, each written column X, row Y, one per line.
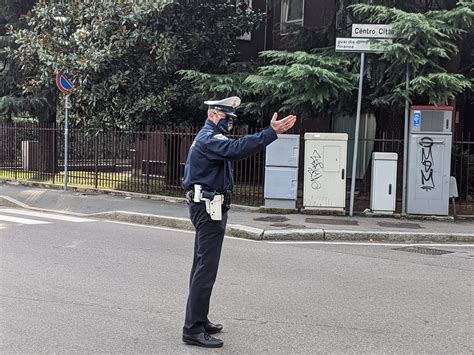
column 10, row 202
column 294, row 234
column 382, row 236
column 247, row 232
column 145, row 219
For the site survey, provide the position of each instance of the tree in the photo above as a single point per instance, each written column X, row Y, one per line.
column 426, row 43
column 10, row 12
column 299, row 82
column 320, row 80
column 124, row 55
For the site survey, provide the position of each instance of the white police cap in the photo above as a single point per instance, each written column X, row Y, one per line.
column 227, row 105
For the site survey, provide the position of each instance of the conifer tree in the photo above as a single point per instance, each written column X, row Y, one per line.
column 426, row 42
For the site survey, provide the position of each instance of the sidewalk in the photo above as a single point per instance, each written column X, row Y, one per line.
column 243, row 222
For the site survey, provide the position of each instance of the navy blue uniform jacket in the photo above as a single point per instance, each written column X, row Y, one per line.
column 210, row 157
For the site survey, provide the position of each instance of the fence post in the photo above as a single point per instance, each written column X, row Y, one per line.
column 147, row 179
column 15, row 150
column 55, row 151
column 96, row 160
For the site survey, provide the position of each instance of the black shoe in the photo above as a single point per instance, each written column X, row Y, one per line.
column 212, row 328
column 202, row 339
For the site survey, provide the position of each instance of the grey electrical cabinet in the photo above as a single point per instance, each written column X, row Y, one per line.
column 281, row 172
column 429, row 160
column 384, row 183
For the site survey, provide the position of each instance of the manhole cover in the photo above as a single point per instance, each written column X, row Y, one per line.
column 272, row 219
column 400, row 225
column 422, row 250
column 334, row 222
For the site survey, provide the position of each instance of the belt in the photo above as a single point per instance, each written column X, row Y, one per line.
column 210, row 195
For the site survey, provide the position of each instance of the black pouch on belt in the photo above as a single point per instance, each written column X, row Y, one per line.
column 189, row 196
column 227, row 199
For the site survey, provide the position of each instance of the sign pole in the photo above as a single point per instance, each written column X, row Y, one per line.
column 405, row 144
column 66, row 133
column 364, row 38
column 356, row 133
column 65, row 86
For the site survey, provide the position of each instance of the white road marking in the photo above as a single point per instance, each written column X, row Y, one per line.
column 373, row 244
column 46, row 215
column 300, row 242
column 153, row 227
column 21, row 220
column 173, row 230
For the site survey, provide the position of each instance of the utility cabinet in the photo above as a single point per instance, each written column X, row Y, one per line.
column 325, row 171
column 281, row 172
column 429, row 160
column 383, row 195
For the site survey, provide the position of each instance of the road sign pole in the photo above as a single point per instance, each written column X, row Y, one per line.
column 66, row 87
column 66, row 133
column 405, row 144
column 356, row 133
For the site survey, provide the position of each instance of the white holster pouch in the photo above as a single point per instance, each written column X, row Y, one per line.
column 213, row 205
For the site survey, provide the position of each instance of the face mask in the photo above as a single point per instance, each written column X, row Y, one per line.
column 226, row 124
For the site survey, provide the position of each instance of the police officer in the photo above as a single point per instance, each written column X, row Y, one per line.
column 208, row 181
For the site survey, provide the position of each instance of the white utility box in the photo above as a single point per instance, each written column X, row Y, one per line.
column 383, row 195
column 325, row 171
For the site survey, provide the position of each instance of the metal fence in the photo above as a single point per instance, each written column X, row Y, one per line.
column 149, row 161
column 152, row 161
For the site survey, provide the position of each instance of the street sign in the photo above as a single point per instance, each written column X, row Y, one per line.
column 366, row 38
column 63, row 83
column 372, row 31
column 361, row 45
column 65, row 86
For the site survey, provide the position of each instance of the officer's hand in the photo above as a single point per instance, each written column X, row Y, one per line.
column 284, row 124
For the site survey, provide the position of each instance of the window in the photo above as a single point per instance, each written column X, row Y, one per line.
column 291, row 14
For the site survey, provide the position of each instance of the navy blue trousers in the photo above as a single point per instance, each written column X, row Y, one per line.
column 207, row 252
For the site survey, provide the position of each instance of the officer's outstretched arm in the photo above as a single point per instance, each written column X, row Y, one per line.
column 220, row 147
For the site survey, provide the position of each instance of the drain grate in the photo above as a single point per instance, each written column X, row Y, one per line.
column 272, row 219
column 333, row 222
column 427, row 251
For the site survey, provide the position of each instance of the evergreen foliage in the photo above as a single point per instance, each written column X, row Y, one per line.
column 320, row 81
column 427, row 41
column 10, row 103
column 299, row 82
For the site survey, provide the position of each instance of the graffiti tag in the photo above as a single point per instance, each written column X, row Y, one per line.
column 427, row 162
column 315, row 170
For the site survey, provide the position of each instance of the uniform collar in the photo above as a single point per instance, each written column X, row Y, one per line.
column 209, row 124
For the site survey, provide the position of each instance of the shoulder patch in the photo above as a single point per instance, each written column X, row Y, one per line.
column 220, row 137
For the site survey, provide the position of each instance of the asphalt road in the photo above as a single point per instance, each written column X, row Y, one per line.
column 96, row 286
